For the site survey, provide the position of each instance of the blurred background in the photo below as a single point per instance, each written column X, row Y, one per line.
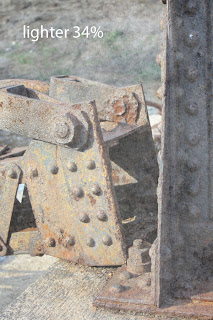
column 125, row 56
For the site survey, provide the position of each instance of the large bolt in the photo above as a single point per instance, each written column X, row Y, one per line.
column 139, row 260
column 12, row 174
column 71, row 166
column 107, row 240
column 84, row 218
column 51, row 242
column 54, row 169
column 96, row 190
column 78, row 192
column 101, row 215
column 90, row 242
column 62, row 129
column 91, row 164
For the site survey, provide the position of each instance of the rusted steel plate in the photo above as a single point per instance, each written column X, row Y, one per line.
column 26, row 241
column 9, row 179
column 31, row 84
column 39, row 119
column 73, row 199
column 131, row 149
column 113, row 104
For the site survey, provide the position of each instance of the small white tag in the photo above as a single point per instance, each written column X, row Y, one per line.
column 20, row 192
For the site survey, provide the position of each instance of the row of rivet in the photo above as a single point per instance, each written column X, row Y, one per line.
column 70, row 241
column 191, row 40
column 101, row 215
column 71, row 166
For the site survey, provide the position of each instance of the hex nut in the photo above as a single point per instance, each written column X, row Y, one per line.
column 72, row 166
column 54, row 169
column 91, row 165
column 96, row 190
column 107, row 240
column 90, row 242
column 83, row 217
column 101, row 215
column 12, row 174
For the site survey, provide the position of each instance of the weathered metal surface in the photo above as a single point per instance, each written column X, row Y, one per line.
column 113, row 104
column 70, row 192
column 185, row 186
column 9, row 180
column 26, row 241
column 31, row 84
column 38, row 119
column 131, row 148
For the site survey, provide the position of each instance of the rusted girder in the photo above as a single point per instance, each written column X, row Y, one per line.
column 181, row 256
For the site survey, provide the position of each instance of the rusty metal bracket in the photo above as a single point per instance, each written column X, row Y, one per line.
column 70, row 186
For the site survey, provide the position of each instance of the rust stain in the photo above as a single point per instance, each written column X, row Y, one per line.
column 92, row 200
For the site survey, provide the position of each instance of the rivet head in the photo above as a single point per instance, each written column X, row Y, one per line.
column 107, row 240
column 191, row 6
column 179, row 58
column 191, row 39
column 83, row 217
column 125, row 275
column 71, row 166
column 91, row 165
column 193, row 189
column 62, row 129
column 34, row 173
column 191, row 74
column 193, row 165
column 79, row 192
column 51, row 242
column 101, row 215
column 54, row 169
column 96, row 190
column 1, row 248
column 194, row 211
column 90, row 242
column 12, row 174
column 192, row 108
column 160, row 93
column 179, row 93
column 117, row 288
column 69, row 242
column 193, row 138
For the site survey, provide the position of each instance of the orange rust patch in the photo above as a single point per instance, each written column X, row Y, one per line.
column 92, row 200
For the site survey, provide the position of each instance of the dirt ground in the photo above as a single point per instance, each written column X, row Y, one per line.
column 124, row 56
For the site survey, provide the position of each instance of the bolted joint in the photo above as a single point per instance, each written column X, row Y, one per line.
column 139, row 260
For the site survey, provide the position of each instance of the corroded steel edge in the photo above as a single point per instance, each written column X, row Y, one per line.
column 185, row 215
